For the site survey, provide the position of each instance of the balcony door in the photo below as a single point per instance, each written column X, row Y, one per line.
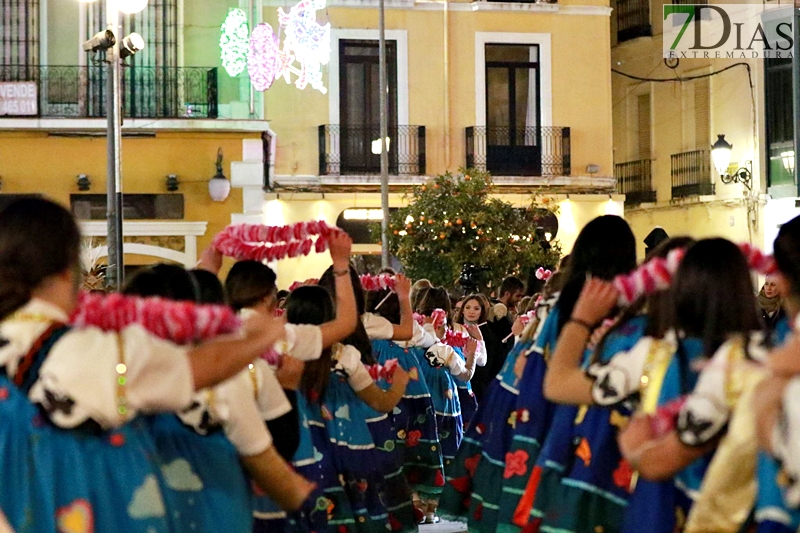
column 152, row 84
column 359, row 101
column 513, row 102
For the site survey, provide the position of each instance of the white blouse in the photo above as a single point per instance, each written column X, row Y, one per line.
column 80, row 379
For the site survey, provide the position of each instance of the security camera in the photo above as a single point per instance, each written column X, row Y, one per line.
column 102, row 40
column 130, row 45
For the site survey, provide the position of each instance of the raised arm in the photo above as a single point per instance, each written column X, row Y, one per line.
column 346, row 314
column 565, row 381
column 405, row 329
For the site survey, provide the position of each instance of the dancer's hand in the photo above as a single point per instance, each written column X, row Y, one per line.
column 402, row 286
column 210, row 260
column 339, row 245
column 596, row 301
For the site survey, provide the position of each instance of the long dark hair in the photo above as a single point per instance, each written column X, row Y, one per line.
column 38, row 239
column 656, row 305
column 248, row 283
column 604, row 249
column 384, row 303
column 712, row 295
column 312, row 304
column 432, row 299
column 359, row 338
column 787, row 254
column 210, row 289
column 172, row 282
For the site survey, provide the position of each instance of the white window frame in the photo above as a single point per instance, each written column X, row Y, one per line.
column 401, row 37
column 543, row 40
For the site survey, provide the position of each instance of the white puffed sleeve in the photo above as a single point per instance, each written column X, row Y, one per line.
column 348, row 363
column 378, row 328
column 270, row 398
column 80, row 378
column 236, row 408
column 620, row 377
column 707, row 410
column 303, row 342
column 441, row 355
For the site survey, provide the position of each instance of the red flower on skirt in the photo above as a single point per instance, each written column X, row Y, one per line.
column 412, row 439
column 623, row 475
column 439, row 479
column 478, row 514
column 516, row 464
column 471, row 464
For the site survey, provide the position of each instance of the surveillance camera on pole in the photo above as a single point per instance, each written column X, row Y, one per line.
column 102, row 40
column 130, row 45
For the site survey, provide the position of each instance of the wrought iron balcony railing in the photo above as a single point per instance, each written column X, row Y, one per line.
column 635, row 181
column 504, row 151
column 633, row 19
column 691, row 174
column 355, row 150
column 147, row 92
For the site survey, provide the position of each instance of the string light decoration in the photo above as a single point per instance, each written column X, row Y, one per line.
column 262, row 59
column 233, row 42
column 306, row 42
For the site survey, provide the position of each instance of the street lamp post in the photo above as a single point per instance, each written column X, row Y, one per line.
column 116, row 270
column 384, row 127
column 116, row 50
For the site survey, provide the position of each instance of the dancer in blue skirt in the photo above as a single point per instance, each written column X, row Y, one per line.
column 657, row 371
column 75, row 456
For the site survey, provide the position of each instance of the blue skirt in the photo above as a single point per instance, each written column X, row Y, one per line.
column 54, row 479
column 204, row 484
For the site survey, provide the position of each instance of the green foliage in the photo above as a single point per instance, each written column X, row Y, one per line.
column 452, row 219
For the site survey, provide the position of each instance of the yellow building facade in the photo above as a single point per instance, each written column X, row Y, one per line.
column 521, row 89
column 668, row 115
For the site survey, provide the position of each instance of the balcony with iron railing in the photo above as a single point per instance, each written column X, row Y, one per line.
column 635, row 181
column 355, row 150
column 633, row 19
column 505, row 151
column 147, row 92
column 691, row 174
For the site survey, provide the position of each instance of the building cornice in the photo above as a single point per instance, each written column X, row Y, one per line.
column 93, row 125
column 146, row 228
column 370, row 183
column 482, row 5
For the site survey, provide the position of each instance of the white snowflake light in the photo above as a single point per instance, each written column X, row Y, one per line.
column 305, row 41
column 233, row 42
column 262, row 60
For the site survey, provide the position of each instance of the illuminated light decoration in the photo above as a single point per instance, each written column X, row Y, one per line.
column 233, row 42
column 306, row 42
column 262, row 59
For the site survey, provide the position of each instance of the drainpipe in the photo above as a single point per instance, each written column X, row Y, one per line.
column 446, row 33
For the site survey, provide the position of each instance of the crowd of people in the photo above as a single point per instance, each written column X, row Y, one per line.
column 336, row 408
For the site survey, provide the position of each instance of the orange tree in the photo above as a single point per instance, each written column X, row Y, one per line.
column 452, row 220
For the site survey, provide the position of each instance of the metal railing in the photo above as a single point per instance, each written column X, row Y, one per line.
column 691, row 174
column 147, row 92
column 352, row 150
column 504, row 151
column 633, row 19
column 635, row 181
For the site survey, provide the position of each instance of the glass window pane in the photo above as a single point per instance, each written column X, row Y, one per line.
column 526, row 112
column 513, row 53
column 498, row 112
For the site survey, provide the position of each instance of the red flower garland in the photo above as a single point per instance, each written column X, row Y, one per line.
column 385, row 371
column 377, row 283
column 272, row 243
column 455, row 339
column 179, row 322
